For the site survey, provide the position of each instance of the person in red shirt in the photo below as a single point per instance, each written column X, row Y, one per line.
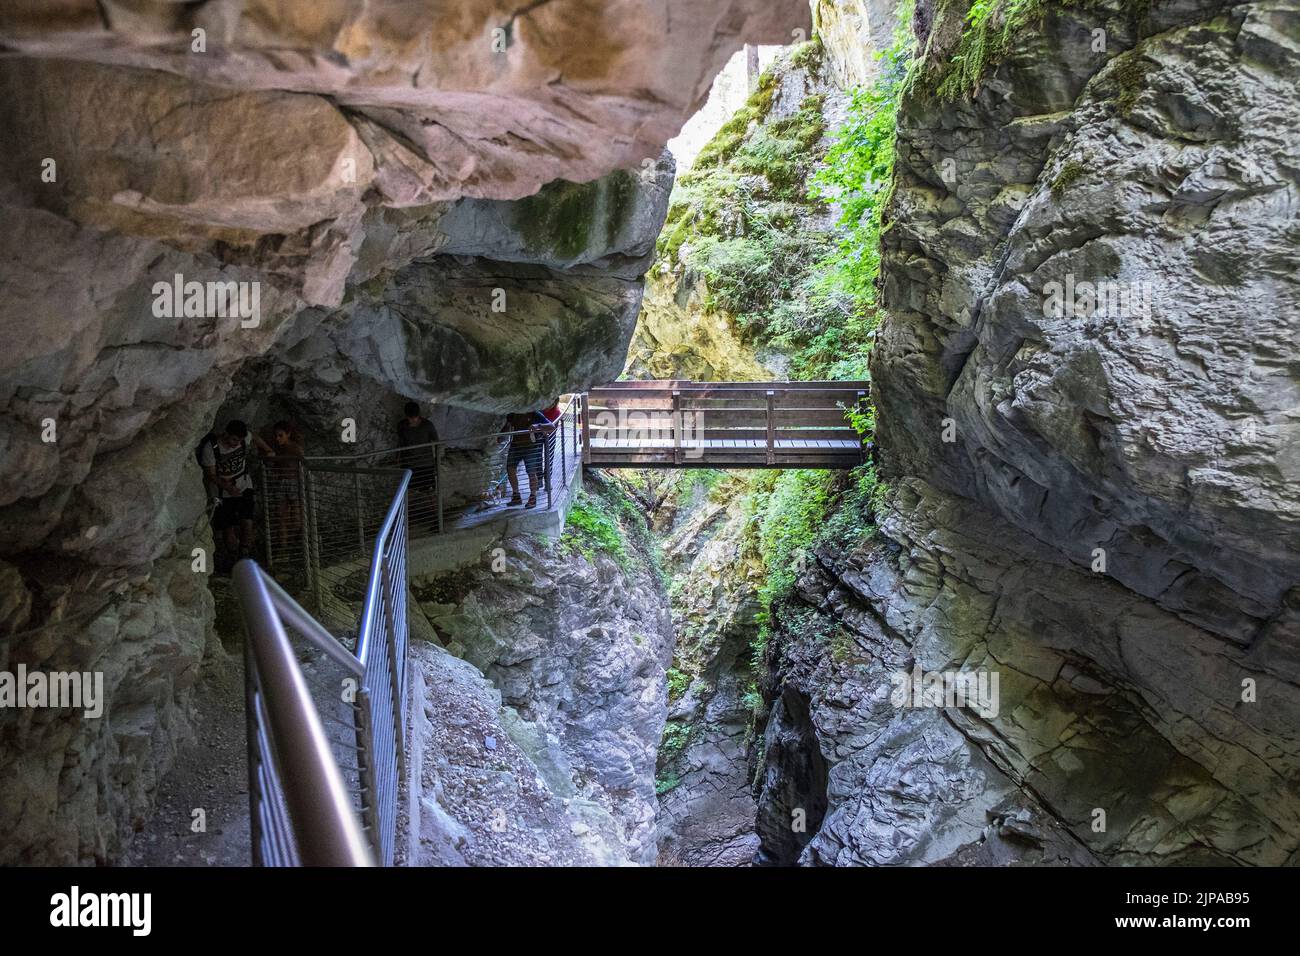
column 552, row 414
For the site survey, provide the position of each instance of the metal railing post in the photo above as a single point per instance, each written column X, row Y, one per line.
column 437, row 483
column 266, row 517
column 862, row 441
column 314, row 555
column 564, row 465
column 677, row 427
column 302, row 518
column 361, row 527
column 584, row 413
column 771, row 427
column 547, row 464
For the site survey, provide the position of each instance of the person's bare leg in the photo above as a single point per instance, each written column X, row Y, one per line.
column 512, row 472
column 247, row 535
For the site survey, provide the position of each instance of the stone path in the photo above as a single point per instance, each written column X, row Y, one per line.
column 211, row 771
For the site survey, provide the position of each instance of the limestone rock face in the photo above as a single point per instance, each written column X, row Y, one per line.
column 489, row 99
column 578, row 647
column 706, row 809
column 301, row 157
column 1104, row 702
column 853, row 31
column 1164, row 432
column 493, row 788
column 1110, row 525
column 677, row 336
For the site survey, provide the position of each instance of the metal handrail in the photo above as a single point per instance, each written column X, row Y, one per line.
column 325, row 828
column 444, row 443
column 284, row 821
column 302, row 810
column 375, row 578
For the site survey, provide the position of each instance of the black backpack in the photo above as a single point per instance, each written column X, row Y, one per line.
column 210, row 439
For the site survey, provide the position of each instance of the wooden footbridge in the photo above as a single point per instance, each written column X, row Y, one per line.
column 681, row 424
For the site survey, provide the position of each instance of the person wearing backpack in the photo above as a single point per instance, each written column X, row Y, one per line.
column 227, row 464
column 210, row 489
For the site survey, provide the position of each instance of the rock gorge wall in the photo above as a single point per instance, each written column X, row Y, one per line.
column 576, row 640
column 690, row 329
column 706, row 807
column 1162, row 690
column 732, row 199
column 320, row 154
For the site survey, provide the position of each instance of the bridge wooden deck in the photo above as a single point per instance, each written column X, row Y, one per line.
column 681, row 424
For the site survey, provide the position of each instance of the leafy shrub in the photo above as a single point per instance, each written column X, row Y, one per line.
column 678, row 682
column 592, row 528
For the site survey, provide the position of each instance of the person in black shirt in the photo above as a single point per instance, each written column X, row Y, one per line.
column 416, row 437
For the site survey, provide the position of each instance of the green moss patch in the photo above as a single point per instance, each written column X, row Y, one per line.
column 991, row 28
column 1129, row 73
column 566, row 218
column 1068, row 174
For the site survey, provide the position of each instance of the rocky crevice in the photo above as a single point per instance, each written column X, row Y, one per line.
column 1084, row 536
column 706, row 808
column 576, row 643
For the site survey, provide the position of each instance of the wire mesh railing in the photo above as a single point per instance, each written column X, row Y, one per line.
column 335, row 533
column 351, row 671
column 455, row 483
column 304, row 810
column 381, row 704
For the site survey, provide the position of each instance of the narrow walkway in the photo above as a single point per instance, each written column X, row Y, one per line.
column 211, row 771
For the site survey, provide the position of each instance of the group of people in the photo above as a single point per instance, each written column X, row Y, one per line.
column 227, row 462
column 227, row 459
column 531, row 439
column 532, row 444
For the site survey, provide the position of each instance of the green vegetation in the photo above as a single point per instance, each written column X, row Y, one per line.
column 674, row 741
column 739, row 217
column 796, row 512
column 1130, row 72
column 604, row 520
column 592, row 529
column 858, row 172
column 664, row 784
column 678, row 682
column 794, row 504
column 1068, row 174
column 991, row 27
column 732, row 135
column 704, row 481
column 747, row 183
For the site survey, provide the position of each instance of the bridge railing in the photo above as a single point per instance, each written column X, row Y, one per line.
column 454, row 482
column 301, row 808
column 381, row 697
column 327, row 725
column 727, row 424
